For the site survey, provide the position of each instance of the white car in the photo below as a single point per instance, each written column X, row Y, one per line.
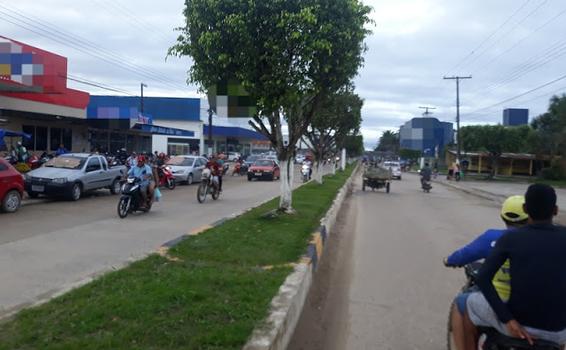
column 232, row 156
column 395, row 168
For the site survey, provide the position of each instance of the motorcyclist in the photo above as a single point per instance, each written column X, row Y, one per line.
column 514, row 216
column 220, row 162
column 143, row 172
column 21, row 153
column 215, row 168
column 426, row 174
column 132, row 160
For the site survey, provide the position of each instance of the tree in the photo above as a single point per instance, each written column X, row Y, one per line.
column 551, row 128
column 495, row 140
column 339, row 116
column 388, row 142
column 409, row 154
column 287, row 54
column 354, row 145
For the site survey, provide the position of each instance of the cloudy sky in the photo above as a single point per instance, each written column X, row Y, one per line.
column 510, row 47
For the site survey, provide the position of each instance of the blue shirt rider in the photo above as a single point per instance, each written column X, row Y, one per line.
column 143, row 172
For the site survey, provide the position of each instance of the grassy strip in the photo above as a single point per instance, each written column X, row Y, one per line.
column 210, row 296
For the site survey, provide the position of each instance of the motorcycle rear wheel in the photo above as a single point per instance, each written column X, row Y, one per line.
column 202, row 191
column 215, row 193
column 123, row 207
column 171, row 183
column 450, row 345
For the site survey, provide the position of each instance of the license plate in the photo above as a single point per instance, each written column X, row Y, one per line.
column 258, row 174
column 37, row 188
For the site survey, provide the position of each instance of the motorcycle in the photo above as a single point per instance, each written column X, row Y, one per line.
column 306, row 172
column 131, row 199
column 489, row 338
column 426, row 186
column 208, row 185
column 166, row 177
column 240, row 169
column 225, row 168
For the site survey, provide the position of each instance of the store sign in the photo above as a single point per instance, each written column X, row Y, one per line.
column 229, row 99
column 19, row 64
column 145, row 119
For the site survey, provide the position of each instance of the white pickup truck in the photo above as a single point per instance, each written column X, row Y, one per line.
column 72, row 174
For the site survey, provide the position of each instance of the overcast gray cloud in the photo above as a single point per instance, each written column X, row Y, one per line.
column 509, row 46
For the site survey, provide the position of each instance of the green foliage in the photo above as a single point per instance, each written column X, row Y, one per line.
column 354, row 145
column 551, row 128
column 339, row 117
column 409, row 154
column 388, row 142
column 495, row 139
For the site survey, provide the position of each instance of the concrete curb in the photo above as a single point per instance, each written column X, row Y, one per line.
column 286, row 307
column 474, row 191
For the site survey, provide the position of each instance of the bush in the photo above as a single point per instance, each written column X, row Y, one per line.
column 554, row 172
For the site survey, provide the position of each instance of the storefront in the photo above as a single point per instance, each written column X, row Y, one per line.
column 236, row 139
column 168, row 125
column 34, row 99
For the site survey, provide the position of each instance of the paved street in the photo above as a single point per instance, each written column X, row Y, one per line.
column 381, row 284
column 48, row 247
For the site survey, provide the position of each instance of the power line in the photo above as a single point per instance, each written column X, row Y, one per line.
column 80, row 44
column 490, row 36
column 95, row 84
column 458, row 78
column 520, row 95
column 474, row 59
column 560, row 14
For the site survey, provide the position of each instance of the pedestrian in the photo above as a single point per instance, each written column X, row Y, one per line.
column 61, row 150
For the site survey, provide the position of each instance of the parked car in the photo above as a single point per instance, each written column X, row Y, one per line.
column 232, row 156
column 395, row 168
column 187, row 169
column 264, row 169
column 72, row 174
column 11, row 187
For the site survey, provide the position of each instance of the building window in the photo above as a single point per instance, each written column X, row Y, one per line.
column 60, row 136
column 38, row 141
column 117, row 142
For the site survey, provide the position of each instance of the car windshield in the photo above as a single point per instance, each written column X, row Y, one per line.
column 181, row 161
column 263, row 162
column 391, row 164
column 68, row 162
column 252, row 159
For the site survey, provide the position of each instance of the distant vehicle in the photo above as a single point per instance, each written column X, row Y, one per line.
column 11, row 187
column 395, row 168
column 300, row 158
column 250, row 160
column 272, row 157
column 72, row 174
column 232, row 156
column 187, row 169
column 264, row 169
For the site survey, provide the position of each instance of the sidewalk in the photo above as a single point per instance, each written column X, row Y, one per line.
column 499, row 191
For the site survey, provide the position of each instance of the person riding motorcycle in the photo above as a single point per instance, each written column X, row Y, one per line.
column 215, row 169
column 536, row 308
column 514, row 216
column 143, row 172
column 426, row 174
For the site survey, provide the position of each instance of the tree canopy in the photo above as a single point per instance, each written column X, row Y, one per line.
column 388, row 142
column 287, row 54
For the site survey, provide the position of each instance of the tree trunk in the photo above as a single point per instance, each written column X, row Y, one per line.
column 333, row 168
column 287, row 175
column 318, row 171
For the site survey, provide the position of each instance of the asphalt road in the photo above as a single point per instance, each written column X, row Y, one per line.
column 47, row 248
column 381, row 283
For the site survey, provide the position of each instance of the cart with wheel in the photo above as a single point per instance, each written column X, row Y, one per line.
column 376, row 178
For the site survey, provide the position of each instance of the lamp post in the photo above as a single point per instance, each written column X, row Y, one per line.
column 142, row 85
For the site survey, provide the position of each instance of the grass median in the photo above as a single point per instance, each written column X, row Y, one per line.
column 209, row 293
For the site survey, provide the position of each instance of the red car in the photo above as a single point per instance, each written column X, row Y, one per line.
column 11, row 187
column 264, row 169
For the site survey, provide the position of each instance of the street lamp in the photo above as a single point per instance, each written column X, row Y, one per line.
column 142, row 85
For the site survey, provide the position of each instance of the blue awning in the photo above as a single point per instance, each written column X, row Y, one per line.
column 8, row 133
column 162, row 130
column 234, row 131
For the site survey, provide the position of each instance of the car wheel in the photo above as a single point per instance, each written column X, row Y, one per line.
column 115, row 187
column 12, row 201
column 249, row 178
column 190, row 179
column 76, row 192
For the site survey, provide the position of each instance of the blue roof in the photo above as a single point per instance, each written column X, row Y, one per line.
column 233, row 131
column 127, row 107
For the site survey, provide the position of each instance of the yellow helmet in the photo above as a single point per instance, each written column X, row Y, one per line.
column 512, row 210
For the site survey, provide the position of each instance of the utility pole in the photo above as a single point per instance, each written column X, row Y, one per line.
column 426, row 112
column 458, row 139
column 209, row 131
column 142, row 85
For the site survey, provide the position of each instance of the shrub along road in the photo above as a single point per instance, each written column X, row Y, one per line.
column 209, row 292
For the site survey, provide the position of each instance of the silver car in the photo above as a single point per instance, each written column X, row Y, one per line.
column 187, row 169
